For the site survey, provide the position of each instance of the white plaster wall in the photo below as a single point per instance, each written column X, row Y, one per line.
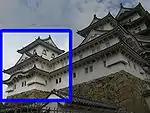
column 38, row 79
column 98, row 71
column 93, row 32
column 133, row 17
column 22, row 58
column 39, row 50
column 51, row 84
column 99, row 47
column 106, row 26
column 143, row 26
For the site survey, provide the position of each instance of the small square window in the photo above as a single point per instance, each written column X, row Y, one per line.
column 15, row 86
column 91, row 68
column 104, row 63
column 134, row 66
column 56, row 81
column 22, row 84
column 45, row 82
column 107, row 44
column 80, row 56
column 59, row 80
column 93, row 50
column 86, row 70
column 74, row 75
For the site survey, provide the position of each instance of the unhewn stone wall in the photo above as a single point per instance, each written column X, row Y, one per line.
column 31, row 94
column 120, row 88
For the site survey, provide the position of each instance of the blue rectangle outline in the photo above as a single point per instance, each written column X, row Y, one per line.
column 55, row 30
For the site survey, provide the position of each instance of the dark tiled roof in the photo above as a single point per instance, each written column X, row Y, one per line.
column 83, row 101
column 37, row 42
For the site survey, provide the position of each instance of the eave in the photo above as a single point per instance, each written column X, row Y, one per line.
column 29, row 60
column 30, row 71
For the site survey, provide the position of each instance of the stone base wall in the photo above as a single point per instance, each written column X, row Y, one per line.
column 121, row 88
column 31, row 94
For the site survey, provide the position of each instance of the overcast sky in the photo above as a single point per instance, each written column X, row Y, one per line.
column 73, row 14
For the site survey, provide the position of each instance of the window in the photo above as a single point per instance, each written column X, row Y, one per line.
column 34, row 51
column 80, row 56
column 53, row 55
column 98, row 47
column 45, row 82
column 129, row 63
column 63, row 63
column 15, row 86
column 91, row 68
column 93, row 50
column 44, row 52
column 56, row 81
column 86, row 70
column 23, row 83
column 134, row 65
column 104, row 63
column 74, row 75
column 59, row 80
column 107, row 44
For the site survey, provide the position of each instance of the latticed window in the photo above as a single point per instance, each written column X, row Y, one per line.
column 74, row 75
column 104, row 63
column 91, row 68
column 107, row 43
column 56, row 81
column 15, row 86
column 59, row 80
column 23, row 83
column 86, row 70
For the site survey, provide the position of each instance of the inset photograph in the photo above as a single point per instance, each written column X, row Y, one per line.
column 35, row 64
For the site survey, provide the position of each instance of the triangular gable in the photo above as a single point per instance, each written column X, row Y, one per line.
column 95, row 19
column 103, row 26
column 125, row 11
column 107, row 19
column 94, row 34
column 47, row 43
column 22, row 58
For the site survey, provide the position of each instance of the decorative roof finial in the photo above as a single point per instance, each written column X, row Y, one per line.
column 121, row 5
column 95, row 16
column 38, row 37
column 34, row 66
column 49, row 36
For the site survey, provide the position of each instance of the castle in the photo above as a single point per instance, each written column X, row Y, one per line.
column 110, row 44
